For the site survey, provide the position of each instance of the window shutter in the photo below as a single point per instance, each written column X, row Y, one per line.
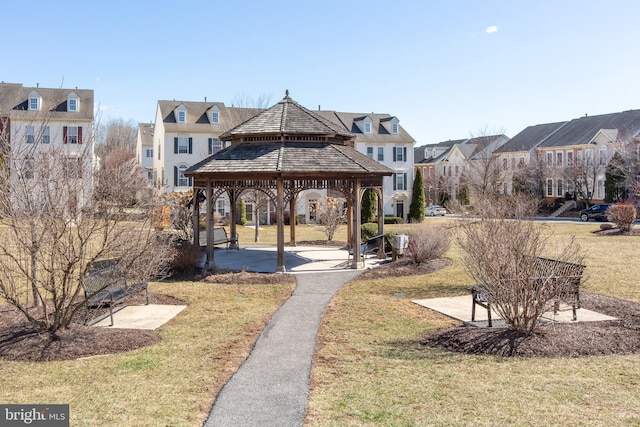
column 175, row 145
column 190, row 181
column 175, row 176
column 394, row 155
column 404, row 178
column 79, row 135
column 210, row 145
column 395, row 178
column 190, row 145
column 64, row 134
column 404, row 154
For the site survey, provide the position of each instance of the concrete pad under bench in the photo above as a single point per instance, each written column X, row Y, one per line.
column 150, row 316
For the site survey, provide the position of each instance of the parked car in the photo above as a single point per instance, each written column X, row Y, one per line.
column 434, row 210
column 597, row 212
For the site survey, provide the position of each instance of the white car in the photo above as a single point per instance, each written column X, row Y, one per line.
column 434, row 210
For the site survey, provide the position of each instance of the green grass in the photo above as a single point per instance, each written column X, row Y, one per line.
column 371, row 370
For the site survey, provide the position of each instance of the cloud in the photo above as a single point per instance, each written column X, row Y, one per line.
column 491, row 29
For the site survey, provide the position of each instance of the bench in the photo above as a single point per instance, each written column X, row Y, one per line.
column 220, row 237
column 543, row 270
column 107, row 287
column 369, row 246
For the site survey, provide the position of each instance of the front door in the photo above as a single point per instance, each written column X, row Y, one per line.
column 400, row 209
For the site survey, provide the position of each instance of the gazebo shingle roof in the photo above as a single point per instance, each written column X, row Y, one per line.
column 287, row 117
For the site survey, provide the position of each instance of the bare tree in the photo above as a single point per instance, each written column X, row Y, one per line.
column 116, row 134
column 332, row 214
column 53, row 230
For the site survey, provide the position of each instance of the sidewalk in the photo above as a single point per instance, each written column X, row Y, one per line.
column 271, row 387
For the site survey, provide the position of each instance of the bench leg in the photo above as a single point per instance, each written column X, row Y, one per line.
column 489, row 314
column 111, row 313
column 473, row 311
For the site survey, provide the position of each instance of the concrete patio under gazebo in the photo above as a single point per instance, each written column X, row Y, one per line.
column 283, row 151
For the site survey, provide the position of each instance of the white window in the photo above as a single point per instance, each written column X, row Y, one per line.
column 220, row 207
column 399, row 181
column 31, row 135
column 183, row 145
column 149, row 152
column 549, row 159
column 370, row 152
column 34, row 103
column 505, row 165
column 380, row 154
column 600, row 190
column 72, row 104
column 215, row 145
column 183, row 181
column 72, row 135
column 394, row 128
column 28, row 168
column 603, row 157
column 399, row 154
column 182, row 116
column 215, row 117
column 560, row 188
column 569, row 158
column 549, row 187
column 46, row 135
column 559, row 159
column 367, row 127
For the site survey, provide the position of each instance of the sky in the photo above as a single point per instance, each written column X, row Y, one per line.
column 447, row 69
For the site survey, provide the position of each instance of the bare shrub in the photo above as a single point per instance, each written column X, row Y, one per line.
column 186, row 256
column 605, row 226
column 503, row 255
column 427, row 243
column 623, row 215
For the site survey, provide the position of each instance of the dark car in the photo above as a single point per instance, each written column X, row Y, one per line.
column 597, row 212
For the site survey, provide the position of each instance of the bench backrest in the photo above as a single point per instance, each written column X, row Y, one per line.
column 219, row 234
column 546, row 267
column 106, row 279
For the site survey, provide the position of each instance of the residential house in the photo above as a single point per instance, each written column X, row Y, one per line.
column 35, row 121
column 381, row 138
column 571, row 157
column 144, row 150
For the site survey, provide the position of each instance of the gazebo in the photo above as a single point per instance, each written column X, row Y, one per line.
column 283, row 151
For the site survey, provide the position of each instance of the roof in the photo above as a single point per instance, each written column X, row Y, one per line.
column 289, row 157
column 287, row 117
column 145, row 130
column 198, row 117
column 14, row 102
column 380, row 126
column 530, row 137
column 583, row 130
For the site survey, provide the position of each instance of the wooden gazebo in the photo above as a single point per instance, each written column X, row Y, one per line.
column 283, row 151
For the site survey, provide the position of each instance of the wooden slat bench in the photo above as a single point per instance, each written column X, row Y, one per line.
column 544, row 269
column 369, row 246
column 220, row 237
column 106, row 287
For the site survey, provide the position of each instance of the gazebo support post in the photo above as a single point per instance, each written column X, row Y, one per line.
column 355, row 195
column 381, row 254
column 233, row 199
column 292, row 221
column 349, row 221
column 195, row 217
column 280, row 267
column 209, row 226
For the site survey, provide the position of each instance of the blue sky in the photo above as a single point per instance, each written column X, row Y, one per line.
column 447, row 69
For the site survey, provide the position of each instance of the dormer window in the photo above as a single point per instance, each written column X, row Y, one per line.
column 34, row 101
column 394, row 128
column 367, row 127
column 72, row 102
column 363, row 123
column 215, row 115
column 181, row 116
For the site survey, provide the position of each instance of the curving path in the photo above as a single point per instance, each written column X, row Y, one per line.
column 271, row 387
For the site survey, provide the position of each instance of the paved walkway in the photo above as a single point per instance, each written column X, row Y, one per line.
column 272, row 385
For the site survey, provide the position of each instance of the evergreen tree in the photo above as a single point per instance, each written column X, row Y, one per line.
column 615, row 179
column 416, row 209
column 369, row 206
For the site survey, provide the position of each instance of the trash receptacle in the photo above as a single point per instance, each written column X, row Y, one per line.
column 400, row 242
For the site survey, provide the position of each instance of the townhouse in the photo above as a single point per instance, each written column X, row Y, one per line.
column 569, row 159
column 35, row 122
column 186, row 132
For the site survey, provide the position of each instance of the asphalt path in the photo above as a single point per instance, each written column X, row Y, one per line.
column 272, row 386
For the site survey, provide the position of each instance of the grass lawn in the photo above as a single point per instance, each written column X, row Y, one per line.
column 369, row 367
column 371, row 370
